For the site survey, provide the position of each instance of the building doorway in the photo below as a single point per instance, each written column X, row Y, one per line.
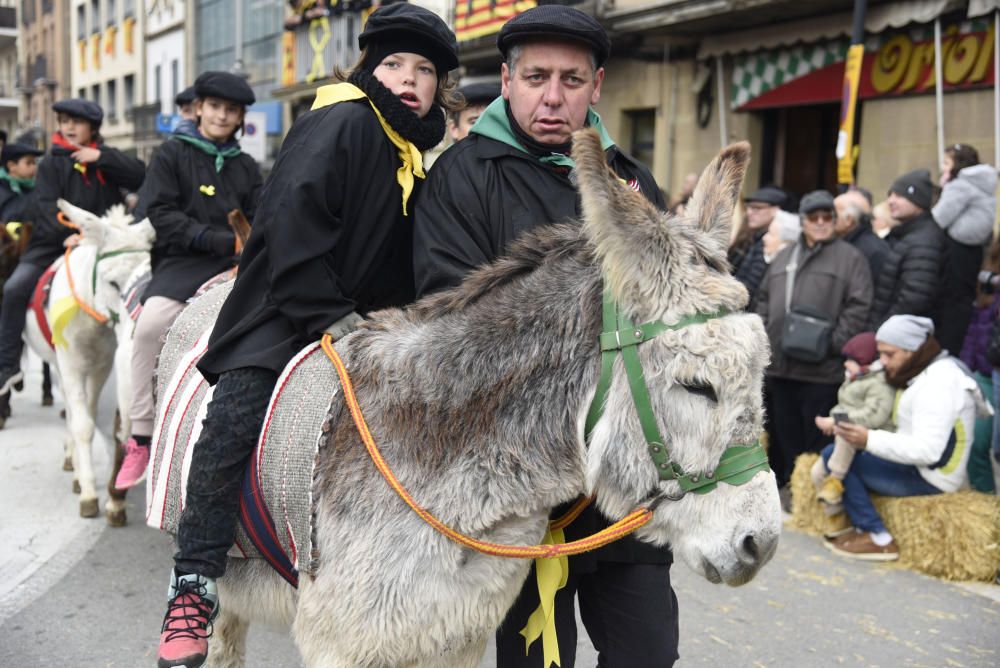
column 799, row 148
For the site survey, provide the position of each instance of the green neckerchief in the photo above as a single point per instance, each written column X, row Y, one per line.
column 208, row 147
column 15, row 183
column 493, row 123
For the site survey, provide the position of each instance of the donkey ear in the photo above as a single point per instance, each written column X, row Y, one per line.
column 632, row 237
column 91, row 227
column 718, row 190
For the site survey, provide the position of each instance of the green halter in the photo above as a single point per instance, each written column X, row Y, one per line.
column 738, row 464
column 112, row 315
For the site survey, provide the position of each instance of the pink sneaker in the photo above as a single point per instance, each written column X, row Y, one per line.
column 187, row 626
column 133, row 470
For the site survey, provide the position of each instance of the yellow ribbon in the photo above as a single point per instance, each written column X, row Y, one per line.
column 207, row 190
column 60, row 314
column 413, row 160
column 80, row 168
column 551, row 575
column 14, row 230
column 319, row 37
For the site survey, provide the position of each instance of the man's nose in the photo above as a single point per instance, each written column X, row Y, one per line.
column 553, row 92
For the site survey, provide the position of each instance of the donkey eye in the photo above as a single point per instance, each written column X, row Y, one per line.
column 702, row 390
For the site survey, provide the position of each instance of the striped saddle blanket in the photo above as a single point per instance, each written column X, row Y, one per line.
column 276, row 505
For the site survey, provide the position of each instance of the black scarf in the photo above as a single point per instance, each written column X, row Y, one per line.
column 425, row 133
column 535, row 148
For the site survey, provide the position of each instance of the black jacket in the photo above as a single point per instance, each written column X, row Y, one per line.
column 13, row 206
column 57, row 177
column 329, row 238
column 480, row 196
column 910, row 282
column 875, row 250
column 176, row 198
column 748, row 265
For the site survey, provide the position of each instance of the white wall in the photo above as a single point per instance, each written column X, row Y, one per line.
column 162, row 15
column 162, row 50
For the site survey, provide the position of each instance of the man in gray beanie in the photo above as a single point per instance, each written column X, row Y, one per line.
column 910, row 280
column 928, row 452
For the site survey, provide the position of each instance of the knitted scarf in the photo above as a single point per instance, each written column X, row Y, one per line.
column 425, row 133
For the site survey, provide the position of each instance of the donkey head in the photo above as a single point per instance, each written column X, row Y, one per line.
column 704, row 380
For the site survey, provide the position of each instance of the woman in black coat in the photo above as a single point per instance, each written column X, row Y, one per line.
column 81, row 169
column 331, row 242
column 197, row 178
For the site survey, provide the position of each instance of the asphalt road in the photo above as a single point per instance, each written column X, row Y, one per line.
column 76, row 593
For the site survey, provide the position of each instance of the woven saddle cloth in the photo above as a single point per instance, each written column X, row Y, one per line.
column 276, row 504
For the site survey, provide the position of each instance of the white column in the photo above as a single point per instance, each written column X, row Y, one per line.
column 723, row 101
column 939, row 88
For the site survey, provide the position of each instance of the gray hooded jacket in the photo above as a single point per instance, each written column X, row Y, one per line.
column 968, row 205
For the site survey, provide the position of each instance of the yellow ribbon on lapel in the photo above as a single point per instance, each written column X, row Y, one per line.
column 14, row 229
column 413, row 160
column 60, row 313
column 551, row 575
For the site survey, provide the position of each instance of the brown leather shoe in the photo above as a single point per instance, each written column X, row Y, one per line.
column 859, row 545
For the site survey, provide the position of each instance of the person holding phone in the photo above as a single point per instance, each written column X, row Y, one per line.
column 864, row 398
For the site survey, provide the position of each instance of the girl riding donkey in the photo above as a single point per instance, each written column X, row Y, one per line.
column 195, row 182
column 81, row 169
column 331, row 242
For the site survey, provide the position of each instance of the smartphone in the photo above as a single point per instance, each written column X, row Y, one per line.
column 839, row 417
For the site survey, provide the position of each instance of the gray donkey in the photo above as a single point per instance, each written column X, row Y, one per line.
column 477, row 398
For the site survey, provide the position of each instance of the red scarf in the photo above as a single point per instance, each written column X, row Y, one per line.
column 59, row 140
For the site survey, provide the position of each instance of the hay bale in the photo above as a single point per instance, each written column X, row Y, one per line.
column 951, row 536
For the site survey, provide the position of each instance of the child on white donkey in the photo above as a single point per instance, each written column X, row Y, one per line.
column 331, row 242
column 197, row 178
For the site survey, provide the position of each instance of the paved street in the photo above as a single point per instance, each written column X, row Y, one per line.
column 75, row 593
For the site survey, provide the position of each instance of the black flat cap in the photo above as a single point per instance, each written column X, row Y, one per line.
column 224, row 85
column 768, row 195
column 817, row 200
column 479, row 93
column 557, row 22
column 405, row 22
column 80, row 108
column 16, row 152
column 186, row 96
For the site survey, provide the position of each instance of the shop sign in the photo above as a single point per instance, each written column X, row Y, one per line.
column 902, row 66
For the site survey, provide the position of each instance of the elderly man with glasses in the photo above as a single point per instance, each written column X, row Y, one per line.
column 815, row 296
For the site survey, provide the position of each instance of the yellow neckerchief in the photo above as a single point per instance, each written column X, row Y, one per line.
column 413, row 161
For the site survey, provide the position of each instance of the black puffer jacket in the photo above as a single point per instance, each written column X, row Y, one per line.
column 911, row 281
column 749, row 265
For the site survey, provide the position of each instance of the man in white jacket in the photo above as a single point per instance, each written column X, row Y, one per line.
column 935, row 411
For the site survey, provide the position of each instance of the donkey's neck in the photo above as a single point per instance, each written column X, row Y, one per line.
column 492, row 393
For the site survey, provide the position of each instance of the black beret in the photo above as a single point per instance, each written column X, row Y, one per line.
column 556, row 22
column 80, row 108
column 817, row 200
column 186, row 96
column 915, row 186
column 768, row 195
column 224, row 85
column 479, row 93
column 406, row 21
column 16, row 152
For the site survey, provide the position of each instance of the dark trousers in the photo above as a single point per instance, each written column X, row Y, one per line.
column 959, row 281
column 229, row 434
column 629, row 610
column 13, row 313
column 795, row 405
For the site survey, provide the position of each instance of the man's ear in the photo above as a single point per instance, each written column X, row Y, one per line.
column 505, row 75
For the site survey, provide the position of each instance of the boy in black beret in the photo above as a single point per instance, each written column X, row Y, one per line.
column 185, row 103
column 17, row 180
column 83, row 170
column 477, row 96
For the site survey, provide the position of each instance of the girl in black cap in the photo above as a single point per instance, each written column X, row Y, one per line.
column 197, row 179
column 331, row 242
column 81, row 169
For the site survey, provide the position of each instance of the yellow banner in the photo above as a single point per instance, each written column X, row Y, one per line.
column 109, row 40
column 846, row 152
column 83, row 54
column 128, row 30
column 95, row 49
column 288, row 58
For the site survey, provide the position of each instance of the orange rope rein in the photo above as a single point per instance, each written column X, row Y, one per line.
column 84, row 306
column 619, row 529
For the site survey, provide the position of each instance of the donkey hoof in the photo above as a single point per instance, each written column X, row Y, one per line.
column 68, row 464
column 47, row 401
column 88, row 508
column 116, row 518
column 19, row 386
column 76, row 487
column 62, row 414
column 3, row 422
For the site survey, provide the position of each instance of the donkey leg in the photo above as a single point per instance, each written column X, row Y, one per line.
column 47, row 399
column 227, row 648
column 114, row 509
column 81, row 428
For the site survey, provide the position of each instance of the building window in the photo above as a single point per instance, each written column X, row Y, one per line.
column 81, row 22
column 174, row 78
column 157, row 78
column 95, row 93
column 128, row 8
column 642, row 135
column 109, row 19
column 129, row 95
column 112, row 108
column 95, row 16
column 82, row 93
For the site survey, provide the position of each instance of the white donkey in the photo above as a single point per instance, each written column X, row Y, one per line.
column 478, row 399
column 111, row 250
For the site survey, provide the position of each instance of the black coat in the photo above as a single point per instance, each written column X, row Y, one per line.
column 57, row 177
column 173, row 198
column 329, row 238
column 482, row 194
column 875, row 249
column 15, row 207
column 479, row 197
column 910, row 282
